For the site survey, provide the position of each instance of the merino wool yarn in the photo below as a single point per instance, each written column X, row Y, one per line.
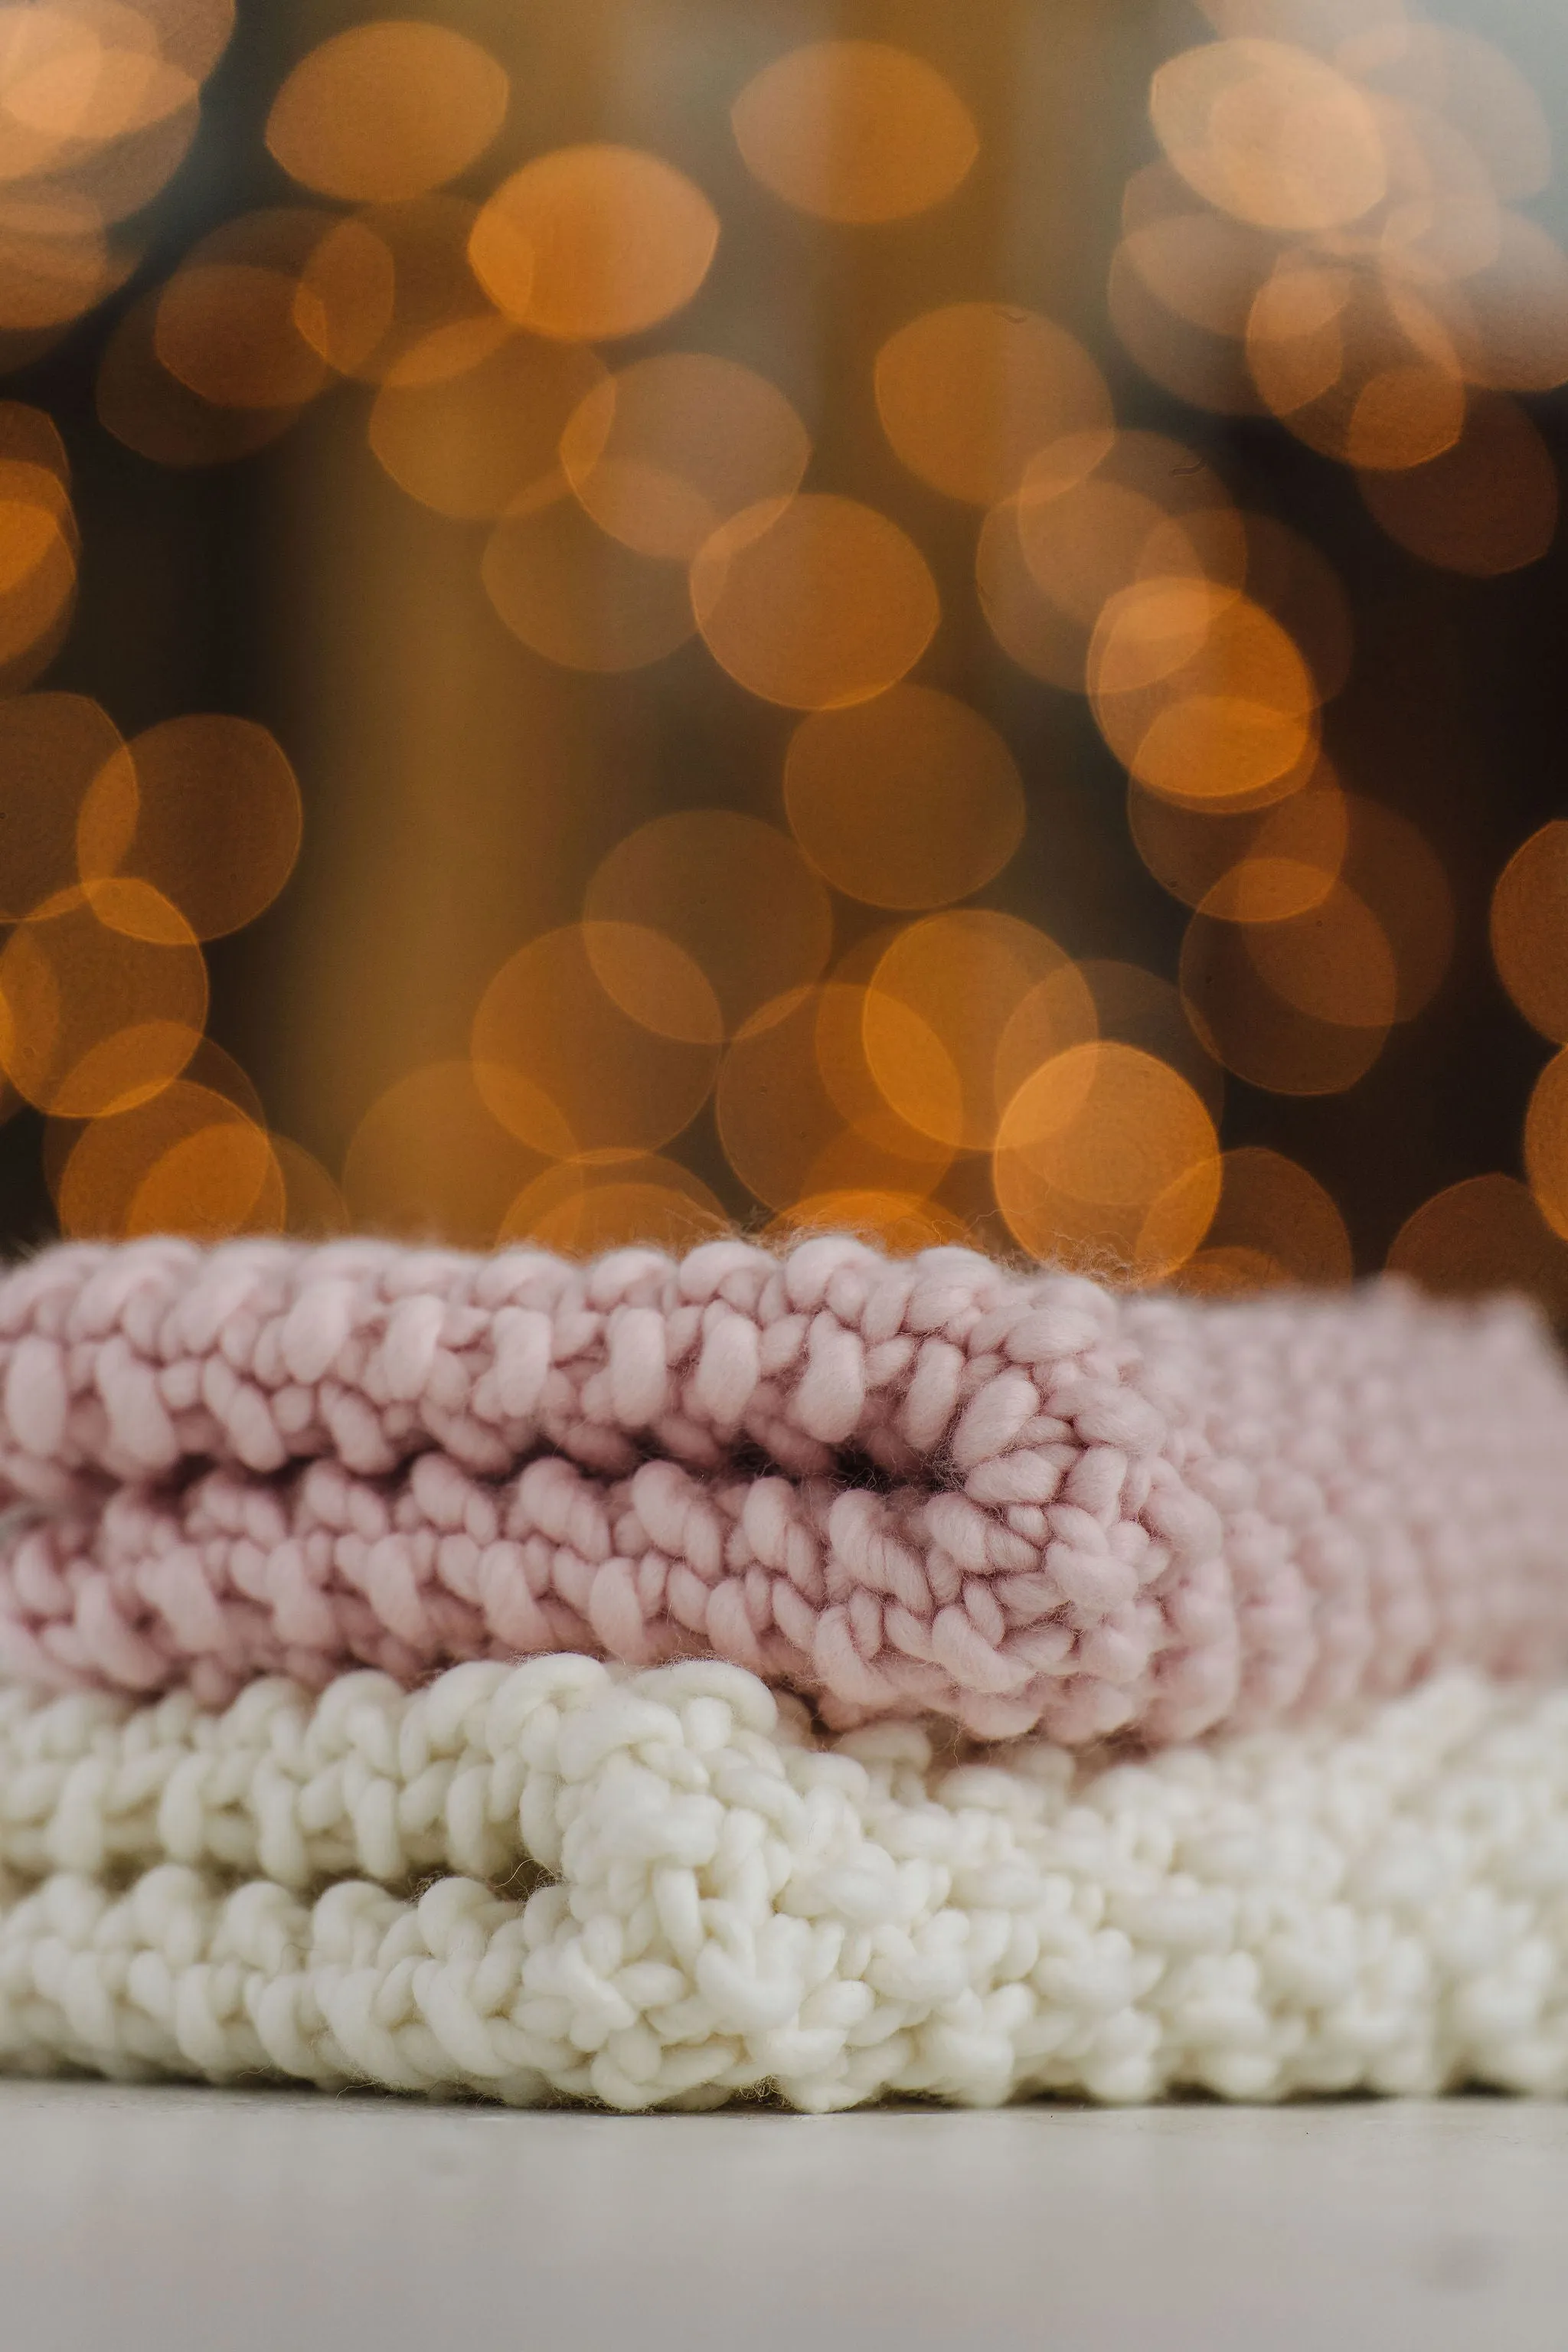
column 659, row 1890
column 902, row 1488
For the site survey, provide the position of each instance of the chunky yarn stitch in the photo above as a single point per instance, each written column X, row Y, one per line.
column 847, row 1594
column 730, row 1907
column 1045, row 1506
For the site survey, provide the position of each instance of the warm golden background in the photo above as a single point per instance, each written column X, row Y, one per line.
column 939, row 621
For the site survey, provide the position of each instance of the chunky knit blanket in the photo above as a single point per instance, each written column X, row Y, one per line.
column 549, row 1880
column 808, row 1672
column 929, row 1485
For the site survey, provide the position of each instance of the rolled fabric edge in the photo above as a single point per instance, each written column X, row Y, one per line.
column 732, row 1907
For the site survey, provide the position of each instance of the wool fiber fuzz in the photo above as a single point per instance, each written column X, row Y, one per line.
column 732, row 1907
column 899, row 1487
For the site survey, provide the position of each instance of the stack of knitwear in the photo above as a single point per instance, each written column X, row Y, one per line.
column 659, row 1681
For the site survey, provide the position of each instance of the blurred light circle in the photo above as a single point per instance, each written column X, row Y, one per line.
column 1118, row 1002
column 187, row 1161
column 51, row 747
column 899, row 1223
column 727, row 895
column 651, row 977
column 1281, row 1042
column 855, row 131
column 103, row 997
column 574, row 594
column 152, row 412
column 1508, row 319
column 1031, row 628
column 664, row 452
column 225, row 325
column 387, row 109
column 1481, row 1235
column 1439, row 70
column 38, row 570
column 594, row 242
column 1545, row 1141
column 1199, row 692
column 968, row 394
column 1258, row 865
column 314, row 1209
column 389, row 295
column 193, row 33
column 567, row 1071
column 206, row 809
column 1270, row 133
column 1105, row 1151
column 468, row 445
column 1530, row 930
column 1487, row 506
column 582, row 1210
column 430, row 1162
column 911, row 800
column 1270, row 1207
column 939, row 1005
column 799, row 1112
column 814, row 603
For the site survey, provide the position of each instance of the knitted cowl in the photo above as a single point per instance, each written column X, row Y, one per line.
column 901, row 1487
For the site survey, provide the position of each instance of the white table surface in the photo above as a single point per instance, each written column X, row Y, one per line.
column 228, row 2221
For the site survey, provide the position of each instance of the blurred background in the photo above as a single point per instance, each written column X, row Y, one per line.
column 938, row 622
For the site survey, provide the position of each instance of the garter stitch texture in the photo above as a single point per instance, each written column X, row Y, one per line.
column 732, row 1907
column 901, row 1487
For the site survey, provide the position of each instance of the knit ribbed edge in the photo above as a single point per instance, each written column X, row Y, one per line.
column 1382, row 1906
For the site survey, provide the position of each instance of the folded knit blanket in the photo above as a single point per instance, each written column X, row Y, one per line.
column 1022, row 1501
column 656, row 1889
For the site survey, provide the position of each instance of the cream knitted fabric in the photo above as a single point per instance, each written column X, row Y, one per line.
column 732, row 1907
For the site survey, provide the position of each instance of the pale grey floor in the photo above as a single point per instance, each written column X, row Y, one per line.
column 192, row 2221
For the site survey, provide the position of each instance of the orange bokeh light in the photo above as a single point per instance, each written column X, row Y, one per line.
column 581, row 1211
column 899, row 1223
column 1488, row 506
column 430, row 1161
column 855, row 132
column 817, row 604
column 799, row 1113
column 187, row 1161
column 470, row 443
column 1258, row 866
column 388, row 296
column 387, row 109
column 574, row 594
column 595, row 242
column 911, row 800
column 939, row 1005
column 663, row 453
column 103, row 996
column 225, row 324
column 1546, row 1143
column 1483, row 1235
column 1530, row 930
column 733, row 899
column 566, row 1070
column 37, row 552
column 1270, row 133
column 1106, row 1156
column 1274, row 1224
column 1199, row 692
column 51, row 747
column 152, row 412
column 206, row 809
column 967, row 395
column 1334, row 956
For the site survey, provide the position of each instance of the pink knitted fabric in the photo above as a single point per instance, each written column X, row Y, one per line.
column 899, row 1485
